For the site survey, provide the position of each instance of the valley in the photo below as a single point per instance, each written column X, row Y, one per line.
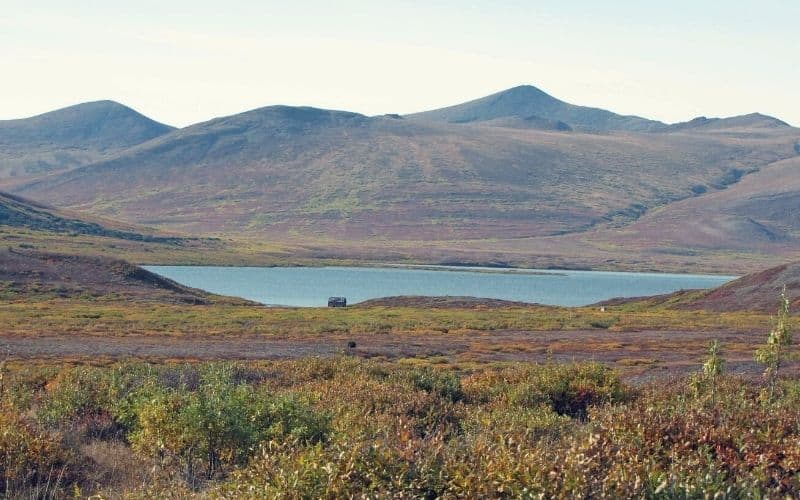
column 131, row 384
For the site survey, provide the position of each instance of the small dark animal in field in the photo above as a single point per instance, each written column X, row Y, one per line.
column 351, row 344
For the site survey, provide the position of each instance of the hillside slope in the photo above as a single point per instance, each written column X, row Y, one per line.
column 71, row 136
column 31, row 273
column 27, row 226
column 758, row 291
column 282, row 173
column 757, row 213
column 753, row 292
column 19, row 212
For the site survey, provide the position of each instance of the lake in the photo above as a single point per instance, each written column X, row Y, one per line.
column 311, row 286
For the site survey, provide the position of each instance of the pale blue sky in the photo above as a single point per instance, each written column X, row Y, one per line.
column 186, row 61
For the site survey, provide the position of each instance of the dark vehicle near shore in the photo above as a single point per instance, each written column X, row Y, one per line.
column 337, row 302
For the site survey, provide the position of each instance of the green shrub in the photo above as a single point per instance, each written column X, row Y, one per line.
column 220, row 422
column 347, row 428
column 288, row 416
column 568, row 389
column 74, row 393
column 444, row 384
column 774, row 353
column 604, row 324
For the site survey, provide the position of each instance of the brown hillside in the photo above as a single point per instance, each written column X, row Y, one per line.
column 754, row 292
column 757, row 213
column 26, row 273
column 280, row 172
column 72, row 136
column 18, row 212
column 519, row 177
column 759, row 291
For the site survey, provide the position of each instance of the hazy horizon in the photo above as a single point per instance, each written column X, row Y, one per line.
column 189, row 62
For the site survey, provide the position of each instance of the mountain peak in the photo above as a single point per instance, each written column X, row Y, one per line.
column 524, row 101
column 106, row 123
column 279, row 118
column 84, row 111
column 751, row 120
column 525, row 90
column 762, row 119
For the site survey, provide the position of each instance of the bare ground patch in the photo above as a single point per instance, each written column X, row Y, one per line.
column 639, row 354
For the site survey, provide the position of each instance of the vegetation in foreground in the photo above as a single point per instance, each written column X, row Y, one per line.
column 343, row 427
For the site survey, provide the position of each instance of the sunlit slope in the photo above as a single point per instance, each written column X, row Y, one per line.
column 283, row 172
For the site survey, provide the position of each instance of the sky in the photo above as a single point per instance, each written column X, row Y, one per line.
column 182, row 62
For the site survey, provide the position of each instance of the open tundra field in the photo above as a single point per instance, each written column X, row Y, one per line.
column 119, row 383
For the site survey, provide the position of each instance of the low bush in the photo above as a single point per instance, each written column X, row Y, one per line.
column 568, row 389
column 218, row 423
column 345, row 427
column 33, row 463
column 74, row 393
column 443, row 383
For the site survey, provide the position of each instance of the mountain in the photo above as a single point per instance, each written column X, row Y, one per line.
column 280, row 172
column 522, row 189
column 72, row 136
column 527, row 101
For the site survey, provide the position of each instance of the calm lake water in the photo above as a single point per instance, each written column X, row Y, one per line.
column 311, row 286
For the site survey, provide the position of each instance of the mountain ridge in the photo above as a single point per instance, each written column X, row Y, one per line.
column 304, row 175
column 337, row 171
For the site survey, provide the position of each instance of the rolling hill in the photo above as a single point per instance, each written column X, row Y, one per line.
column 31, row 227
column 27, row 273
column 72, row 136
column 18, row 212
column 758, row 291
column 279, row 171
column 751, row 121
column 754, row 292
column 518, row 177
